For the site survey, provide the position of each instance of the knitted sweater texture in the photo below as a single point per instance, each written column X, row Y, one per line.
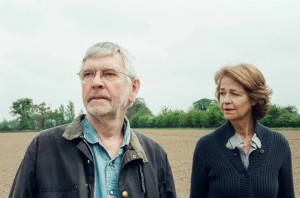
column 219, row 172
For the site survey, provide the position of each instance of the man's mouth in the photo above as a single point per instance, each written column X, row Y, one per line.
column 99, row 97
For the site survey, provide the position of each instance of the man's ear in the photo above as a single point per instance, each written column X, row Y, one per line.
column 135, row 87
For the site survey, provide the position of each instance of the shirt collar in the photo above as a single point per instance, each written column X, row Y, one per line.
column 256, row 140
column 235, row 140
column 92, row 137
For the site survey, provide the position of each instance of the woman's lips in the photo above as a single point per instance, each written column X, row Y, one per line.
column 227, row 109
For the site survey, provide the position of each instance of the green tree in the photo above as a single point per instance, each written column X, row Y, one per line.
column 139, row 114
column 196, row 118
column 204, row 103
column 139, row 106
column 215, row 116
column 281, row 117
column 41, row 114
column 291, row 109
column 4, row 125
column 56, row 117
column 271, row 119
column 69, row 112
column 60, row 115
column 170, row 118
column 24, row 109
column 10, row 125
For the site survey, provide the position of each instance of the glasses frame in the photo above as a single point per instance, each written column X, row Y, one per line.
column 101, row 74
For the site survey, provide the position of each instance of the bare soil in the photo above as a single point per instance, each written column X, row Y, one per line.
column 178, row 143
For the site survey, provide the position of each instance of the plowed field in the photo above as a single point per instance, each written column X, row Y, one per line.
column 178, row 143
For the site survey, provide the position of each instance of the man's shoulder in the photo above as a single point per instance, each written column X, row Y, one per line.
column 143, row 137
column 146, row 141
column 48, row 138
column 51, row 134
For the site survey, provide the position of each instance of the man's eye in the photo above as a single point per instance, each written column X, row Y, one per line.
column 88, row 74
column 109, row 74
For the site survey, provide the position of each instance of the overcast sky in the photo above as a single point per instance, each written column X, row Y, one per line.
column 178, row 46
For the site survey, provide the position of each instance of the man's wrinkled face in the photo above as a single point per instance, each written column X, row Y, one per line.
column 106, row 88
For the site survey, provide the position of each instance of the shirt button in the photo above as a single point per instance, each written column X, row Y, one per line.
column 110, row 163
column 89, row 161
column 125, row 194
column 261, row 151
column 111, row 192
column 134, row 156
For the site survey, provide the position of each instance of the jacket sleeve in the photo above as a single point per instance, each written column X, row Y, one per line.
column 170, row 186
column 24, row 185
column 199, row 176
column 285, row 177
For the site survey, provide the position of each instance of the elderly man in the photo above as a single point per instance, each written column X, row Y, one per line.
column 98, row 154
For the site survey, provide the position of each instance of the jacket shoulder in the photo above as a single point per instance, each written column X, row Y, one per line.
column 48, row 137
column 143, row 136
column 149, row 145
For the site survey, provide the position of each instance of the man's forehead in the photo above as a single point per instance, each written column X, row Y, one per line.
column 108, row 62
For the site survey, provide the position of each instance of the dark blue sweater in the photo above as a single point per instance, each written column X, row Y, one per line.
column 219, row 172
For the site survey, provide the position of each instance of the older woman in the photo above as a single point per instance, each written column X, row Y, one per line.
column 242, row 158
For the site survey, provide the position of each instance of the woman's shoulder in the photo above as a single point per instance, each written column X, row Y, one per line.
column 207, row 139
column 265, row 129
column 275, row 136
column 279, row 137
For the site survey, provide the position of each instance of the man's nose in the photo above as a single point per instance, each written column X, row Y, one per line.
column 98, row 80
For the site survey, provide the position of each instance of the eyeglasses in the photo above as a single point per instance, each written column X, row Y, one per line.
column 88, row 75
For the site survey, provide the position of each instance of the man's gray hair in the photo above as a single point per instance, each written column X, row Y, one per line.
column 104, row 49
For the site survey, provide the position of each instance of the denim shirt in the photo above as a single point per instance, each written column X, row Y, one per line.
column 107, row 169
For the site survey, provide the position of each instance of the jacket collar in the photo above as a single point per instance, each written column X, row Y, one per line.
column 134, row 141
column 74, row 130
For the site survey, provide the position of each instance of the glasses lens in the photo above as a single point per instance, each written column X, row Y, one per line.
column 87, row 75
column 107, row 75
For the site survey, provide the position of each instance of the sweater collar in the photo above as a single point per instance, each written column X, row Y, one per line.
column 226, row 131
column 222, row 135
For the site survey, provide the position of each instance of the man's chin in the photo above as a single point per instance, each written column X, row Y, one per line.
column 98, row 111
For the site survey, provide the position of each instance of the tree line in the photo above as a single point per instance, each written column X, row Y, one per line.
column 204, row 113
column 30, row 116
